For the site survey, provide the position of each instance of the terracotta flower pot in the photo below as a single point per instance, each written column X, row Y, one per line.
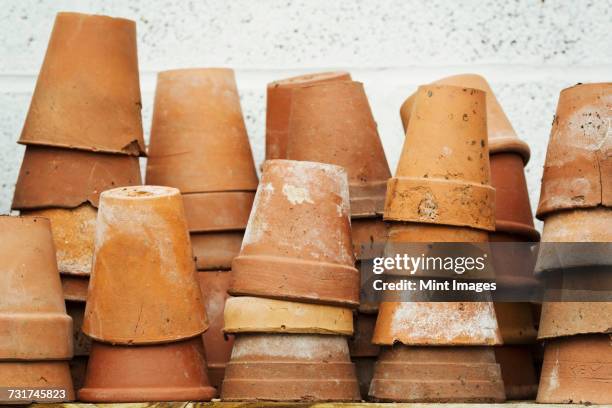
column 515, row 322
column 222, row 211
column 360, row 344
column 298, row 238
column 33, row 320
column 436, row 323
column 198, row 137
column 75, row 287
column 571, row 318
column 502, row 137
column 73, row 234
column 37, row 375
column 165, row 372
column 143, row 287
column 577, row 370
column 290, row 367
column 278, row 108
column 517, row 368
column 259, row 315
column 437, row 374
column 364, row 366
column 332, row 123
column 217, row 344
column 445, row 161
column 586, row 238
column 578, row 166
column 216, row 250
column 67, row 178
column 78, row 105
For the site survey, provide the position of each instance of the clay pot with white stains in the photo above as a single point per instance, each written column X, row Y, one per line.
column 518, row 371
column 143, row 287
column 576, row 370
column 298, row 239
column 247, row 314
column 437, row 374
column 290, row 367
column 75, row 104
column 332, row 123
column 163, row 372
column 278, row 108
column 578, row 166
column 218, row 345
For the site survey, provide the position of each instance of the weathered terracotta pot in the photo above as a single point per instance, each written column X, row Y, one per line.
column 298, row 238
column 164, row 372
column 578, row 166
column 223, row 211
column 512, row 210
column 290, row 367
column 444, row 162
column 81, row 343
column 369, row 237
column 143, row 287
column 360, row 344
column 502, row 137
column 77, row 105
column 217, row 344
column 577, row 370
column 436, row 323
column 437, row 374
column 67, row 178
column 515, row 322
column 278, row 108
column 33, row 320
column 198, row 137
column 589, row 231
column 517, row 368
column 37, row 374
column 73, row 234
column 75, row 287
column 571, row 318
column 332, row 123
column 365, row 371
column 216, row 250
column 247, row 314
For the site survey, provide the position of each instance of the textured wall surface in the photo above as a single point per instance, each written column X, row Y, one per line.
column 529, row 50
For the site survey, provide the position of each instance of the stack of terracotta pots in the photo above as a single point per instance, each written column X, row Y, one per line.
column 513, row 223
column 35, row 331
column 326, row 118
column 296, row 282
column 83, row 135
column 144, row 308
column 199, row 145
column 441, row 192
column 576, row 254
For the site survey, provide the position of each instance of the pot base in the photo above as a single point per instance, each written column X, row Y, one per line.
column 37, row 375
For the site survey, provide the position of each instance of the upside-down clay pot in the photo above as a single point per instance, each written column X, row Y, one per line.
column 38, row 375
column 278, row 108
column 518, row 372
column 165, row 372
column 360, row 344
column 290, row 367
column 222, row 211
column 68, row 178
column 247, row 314
column 198, row 136
column 443, row 174
column 143, row 287
column 33, row 320
column 437, row 374
column 73, row 234
column 298, row 239
column 332, row 123
column 577, row 370
column 578, row 166
column 78, row 105
column 215, row 250
column 218, row 346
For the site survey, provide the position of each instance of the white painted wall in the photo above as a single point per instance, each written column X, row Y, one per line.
column 529, row 50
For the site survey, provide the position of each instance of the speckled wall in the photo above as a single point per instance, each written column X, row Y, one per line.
column 529, row 50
